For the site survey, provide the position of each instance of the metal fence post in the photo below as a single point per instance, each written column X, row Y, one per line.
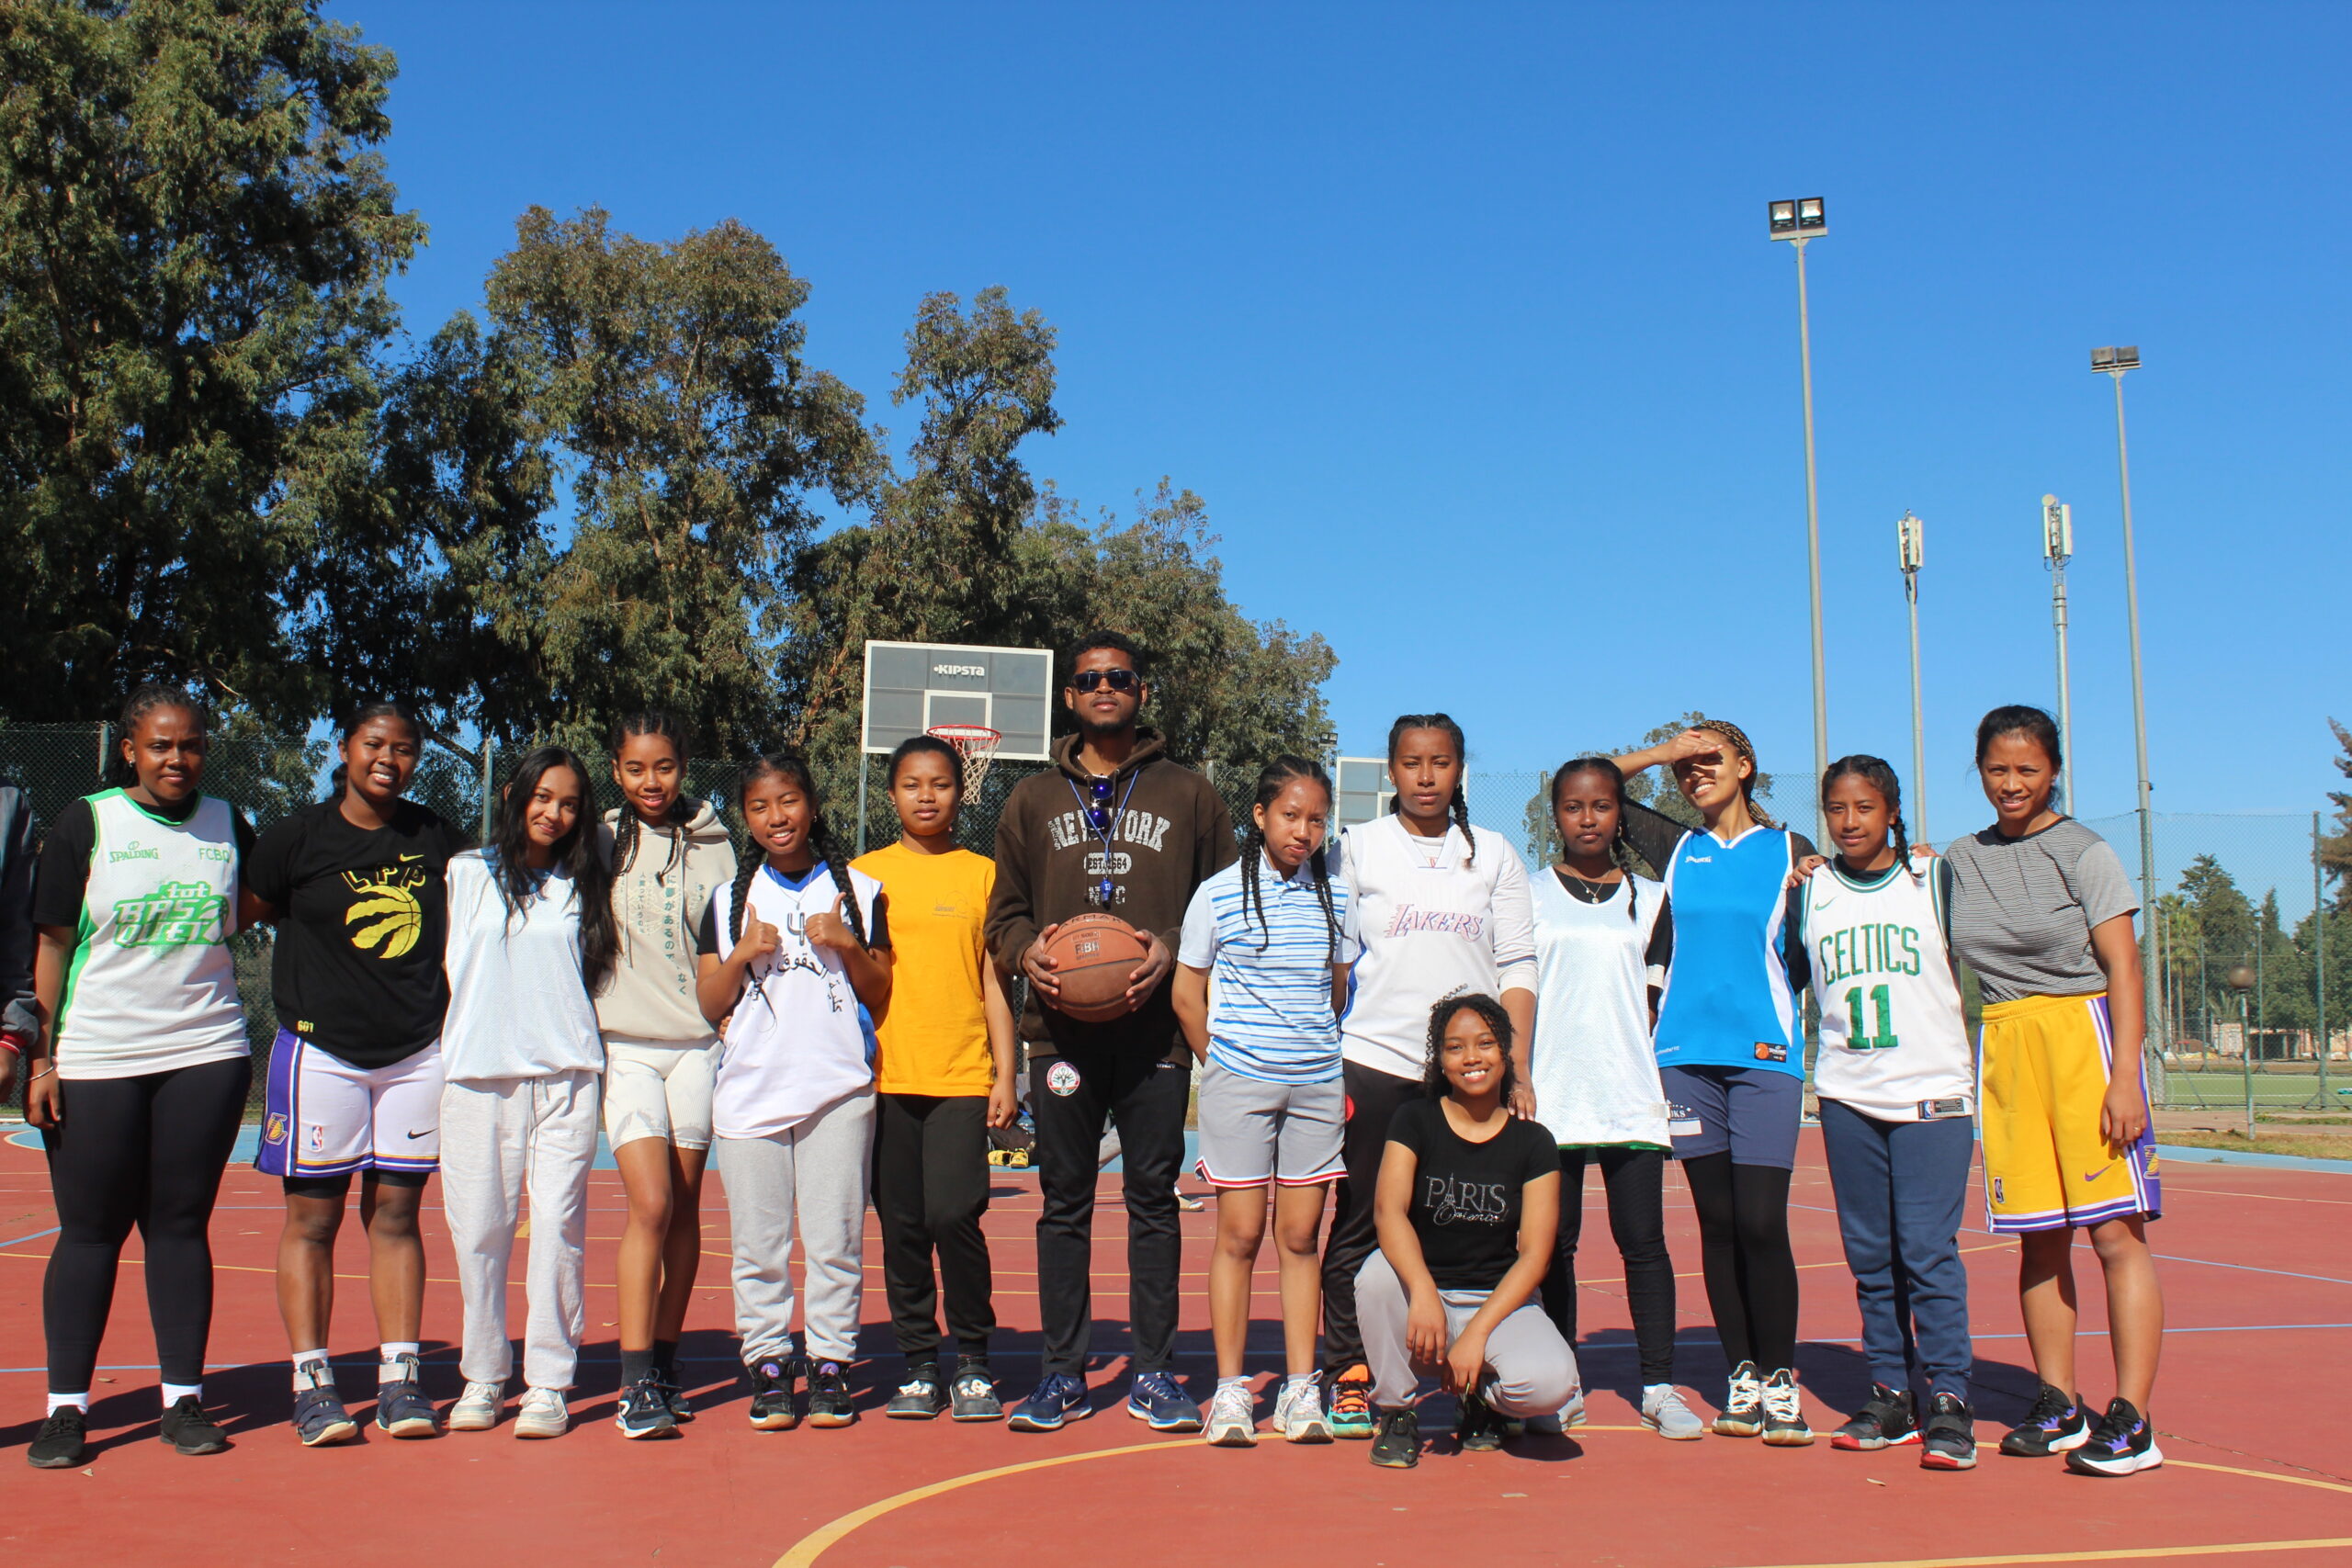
column 489, row 787
column 2319, row 958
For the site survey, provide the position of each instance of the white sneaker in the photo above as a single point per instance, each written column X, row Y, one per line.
column 1298, row 1414
column 1233, row 1418
column 477, row 1408
column 1663, row 1412
column 542, row 1414
column 1567, row 1416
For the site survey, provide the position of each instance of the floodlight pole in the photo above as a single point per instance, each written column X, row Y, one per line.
column 1911, row 532
column 2114, row 371
column 1813, row 551
column 2056, row 537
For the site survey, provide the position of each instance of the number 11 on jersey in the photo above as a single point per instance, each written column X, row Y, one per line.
column 1857, row 1037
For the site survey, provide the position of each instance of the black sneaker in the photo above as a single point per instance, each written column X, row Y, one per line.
column 920, row 1398
column 2054, row 1425
column 319, row 1419
column 62, row 1442
column 829, row 1402
column 681, row 1410
column 975, row 1393
column 1397, row 1442
column 773, row 1380
column 401, row 1409
column 1949, row 1440
column 189, row 1430
column 1477, row 1428
column 1888, row 1418
column 2124, row 1444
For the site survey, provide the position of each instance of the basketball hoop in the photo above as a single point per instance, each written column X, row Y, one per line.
column 975, row 744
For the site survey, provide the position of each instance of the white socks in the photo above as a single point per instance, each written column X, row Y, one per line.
column 80, row 1402
column 389, row 1367
column 306, row 1362
column 175, row 1391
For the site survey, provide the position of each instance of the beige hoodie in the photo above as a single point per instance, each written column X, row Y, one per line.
column 657, row 899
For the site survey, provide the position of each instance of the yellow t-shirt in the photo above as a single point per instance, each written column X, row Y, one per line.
column 934, row 1038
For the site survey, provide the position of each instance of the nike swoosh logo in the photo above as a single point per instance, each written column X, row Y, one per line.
column 2102, row 1170
column 411, row 857
column 426, row 1133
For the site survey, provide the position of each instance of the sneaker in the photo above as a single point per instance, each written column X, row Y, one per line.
column 1949, row 1439
column 1784, row 1426
column 1298, row 1414
column 1477, row 1428
column 1189, row 1203
column 319, row 1415
column 1557, row 1422
column 1664, row 1412
column 1154, row 1398
column 401, row 1409
column 542, row 1414
column 1397, row 1439
column 644, row 1412
column 2124, row 1444
column 1887, row 1418
column 2053, row 1426
column 974, row 1396
column 828, row 1401
column 477, row 1408
column 62, row 1442
column 681, row 1410
column 189, row 1430
column 1351, row 1415
column 920, row 1398
column 1057, row 1398
column 772, row 1379
column 1233, row 1418
column 1743, row 1411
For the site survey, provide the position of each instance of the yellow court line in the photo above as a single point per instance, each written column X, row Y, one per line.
column 2113, row 1555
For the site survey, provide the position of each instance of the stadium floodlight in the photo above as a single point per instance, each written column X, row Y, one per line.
column 1800, row 220
column 2057, row 550
column 1911, row 546
column 2113, row 363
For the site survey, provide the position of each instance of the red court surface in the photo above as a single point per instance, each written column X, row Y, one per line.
column 2258, row 1274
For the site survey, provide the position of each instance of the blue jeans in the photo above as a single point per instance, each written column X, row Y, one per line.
column 1901, row 1187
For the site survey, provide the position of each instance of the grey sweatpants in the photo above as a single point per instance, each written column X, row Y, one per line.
column 1531, row 1370
column 501, row 1140
column 813, row 1174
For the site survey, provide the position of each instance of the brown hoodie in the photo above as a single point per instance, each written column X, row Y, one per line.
column 657, row 899
column 1173, row 834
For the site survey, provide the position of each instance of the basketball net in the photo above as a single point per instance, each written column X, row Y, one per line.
column 975, row 744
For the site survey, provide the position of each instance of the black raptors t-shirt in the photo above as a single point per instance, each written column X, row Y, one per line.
column 362, row 916
column 1466, row 1196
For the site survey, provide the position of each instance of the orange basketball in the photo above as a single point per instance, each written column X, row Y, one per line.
column 1094, row 955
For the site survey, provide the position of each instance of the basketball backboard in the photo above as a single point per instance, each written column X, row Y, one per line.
column 910, row 687
column 1364, row 790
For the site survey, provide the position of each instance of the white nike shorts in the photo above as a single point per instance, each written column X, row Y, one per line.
column 324, row 1117
column 658, row 1088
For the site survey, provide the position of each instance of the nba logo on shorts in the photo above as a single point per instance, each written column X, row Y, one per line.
column 1062, row 1079
column 274, row 1131
column 1998, row 1196
column 318, row 1137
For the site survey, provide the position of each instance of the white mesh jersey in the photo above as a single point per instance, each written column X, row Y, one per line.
column 1894, row 1044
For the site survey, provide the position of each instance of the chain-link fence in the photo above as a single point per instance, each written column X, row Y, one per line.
column 2249, row 983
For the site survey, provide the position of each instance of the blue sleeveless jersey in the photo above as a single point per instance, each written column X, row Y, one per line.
column 1728, row 1000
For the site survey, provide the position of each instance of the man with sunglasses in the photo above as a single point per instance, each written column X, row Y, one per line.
column 1117, row 828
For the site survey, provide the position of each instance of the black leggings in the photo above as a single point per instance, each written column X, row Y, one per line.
column 148, row 1152
column 1743, row 1250
column 1635, row 1182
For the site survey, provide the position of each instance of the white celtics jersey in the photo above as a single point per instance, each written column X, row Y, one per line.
column 153, row 986
column 1892, row 1042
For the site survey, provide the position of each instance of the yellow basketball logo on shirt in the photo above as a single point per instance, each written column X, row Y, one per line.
column 394, row 917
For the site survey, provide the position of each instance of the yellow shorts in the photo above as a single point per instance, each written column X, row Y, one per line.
column 2043, row 1067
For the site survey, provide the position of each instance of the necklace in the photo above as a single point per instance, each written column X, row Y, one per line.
column 1430, row 856
column 1583, row 888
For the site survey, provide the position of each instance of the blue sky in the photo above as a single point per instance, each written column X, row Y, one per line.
column 1464, row 322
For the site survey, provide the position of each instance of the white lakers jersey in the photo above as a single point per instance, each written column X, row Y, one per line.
column 1892, row 1042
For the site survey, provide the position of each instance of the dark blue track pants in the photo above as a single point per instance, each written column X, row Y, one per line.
column 1901, row 1187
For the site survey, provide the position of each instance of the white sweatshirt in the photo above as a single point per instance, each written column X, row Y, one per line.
column 1431, row 928
column 518, row 1005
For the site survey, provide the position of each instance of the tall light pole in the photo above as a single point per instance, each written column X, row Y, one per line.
column 1801, row 221
column 2057, row 550
column 2113, row 363
column 1911, row 540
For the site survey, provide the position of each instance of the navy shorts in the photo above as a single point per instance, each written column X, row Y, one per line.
column 1751, row 1112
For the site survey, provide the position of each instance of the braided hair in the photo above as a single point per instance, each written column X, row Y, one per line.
column 1273, row 779
column 144, row 699
column 1459, row 808
column 629, row 829
column 1621, row 852
column 1739, row 743
column 1877, row 773
column 792, row 767
column 1491, row 1013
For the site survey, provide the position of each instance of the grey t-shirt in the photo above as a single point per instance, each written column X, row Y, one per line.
column 2023, row 909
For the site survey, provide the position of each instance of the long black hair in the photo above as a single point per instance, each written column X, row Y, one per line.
column 1459, row 805
column 1621, row 852
column 1489, row 1010
column 2022, row 718
column 360, row 718
column 144, row 699
column 791, row 766
column 1273, row 779
column 1876, row 773
column 629, row 829
column 575, row 856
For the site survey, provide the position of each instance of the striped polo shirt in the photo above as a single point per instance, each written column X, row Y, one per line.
column 1270, row 972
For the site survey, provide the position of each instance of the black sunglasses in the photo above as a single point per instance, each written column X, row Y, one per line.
column 1120, row 680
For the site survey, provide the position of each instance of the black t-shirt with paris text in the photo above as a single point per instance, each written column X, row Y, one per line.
column 1466, row 1196
column 362, row 916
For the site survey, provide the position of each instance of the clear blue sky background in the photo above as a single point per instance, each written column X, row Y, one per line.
column 1464, row 322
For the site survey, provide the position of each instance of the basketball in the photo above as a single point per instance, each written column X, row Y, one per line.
column 1092, row 956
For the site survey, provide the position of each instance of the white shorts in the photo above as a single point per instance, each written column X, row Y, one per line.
column 1253, row 1131
column 322, row 1117
column 658, row 1088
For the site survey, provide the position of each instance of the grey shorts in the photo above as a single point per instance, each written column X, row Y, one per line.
column 658, row 1088
column 1253, row 1133
column 1749, row 1112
